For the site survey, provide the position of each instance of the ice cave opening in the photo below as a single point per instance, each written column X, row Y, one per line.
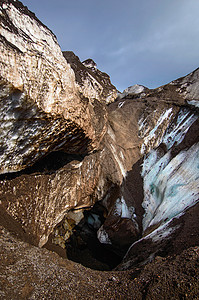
column 81, row 242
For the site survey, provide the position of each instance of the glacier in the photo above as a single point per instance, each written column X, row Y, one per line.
column 170, row 183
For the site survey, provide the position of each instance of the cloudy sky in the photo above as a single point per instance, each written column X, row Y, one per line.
column 149, row 42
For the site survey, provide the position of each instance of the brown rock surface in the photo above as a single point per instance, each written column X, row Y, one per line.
column 54, row 190
column 43, row 107
column 92, row 83
column 39, row 201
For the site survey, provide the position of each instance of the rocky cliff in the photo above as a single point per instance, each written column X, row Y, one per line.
column 43, row 105
column 108, row 182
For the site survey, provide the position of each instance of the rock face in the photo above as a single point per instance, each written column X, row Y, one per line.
column 43, row 106
column 169, row 170
column 135, row 162
column 92, row 83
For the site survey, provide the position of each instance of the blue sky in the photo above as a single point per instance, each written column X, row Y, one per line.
column 149, row 42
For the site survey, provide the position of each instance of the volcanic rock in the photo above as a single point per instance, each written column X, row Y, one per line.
column 169, row 170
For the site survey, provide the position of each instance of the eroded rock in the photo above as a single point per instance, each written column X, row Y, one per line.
column 92, row 83
column 43, row 106
column 170, row 174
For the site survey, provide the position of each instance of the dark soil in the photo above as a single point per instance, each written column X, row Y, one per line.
column 27, row 272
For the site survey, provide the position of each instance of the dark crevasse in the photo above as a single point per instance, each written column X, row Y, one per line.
column 46, row 165
column 83, row 242
column 84, row 247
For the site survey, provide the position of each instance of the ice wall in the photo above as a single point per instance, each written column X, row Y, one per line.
column 171, row 184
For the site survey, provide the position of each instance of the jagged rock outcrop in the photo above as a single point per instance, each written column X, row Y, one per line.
column 92, row 83
column 133, row 91
column 62, row 150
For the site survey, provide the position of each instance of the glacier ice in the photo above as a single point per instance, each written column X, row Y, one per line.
column 171, row 187
column 176, row 132
column 170, row 183
column 121, row 209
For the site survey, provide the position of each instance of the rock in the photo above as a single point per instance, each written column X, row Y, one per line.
column 120, row 232
column 134, row 129
column 188, row 86
column 136, row 90
column 169, row 239
column 170, row 173
column 92, row 83
column 39, row 201
column 167, row 137
column 133, row 90
column 43, row 107
column 89, row 63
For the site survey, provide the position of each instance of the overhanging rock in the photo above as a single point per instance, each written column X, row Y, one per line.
column 42, row 107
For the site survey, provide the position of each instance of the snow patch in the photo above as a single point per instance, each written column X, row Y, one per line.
column 194, row 103
column 5, row 6
column 120, row 164
column 176, row 132
column 149, row 161
column 164, row 116
column 149, row 136
column 122, row 210
column 121, row 104
column 162, row 232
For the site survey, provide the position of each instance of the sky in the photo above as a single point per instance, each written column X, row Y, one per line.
column 147, row 42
